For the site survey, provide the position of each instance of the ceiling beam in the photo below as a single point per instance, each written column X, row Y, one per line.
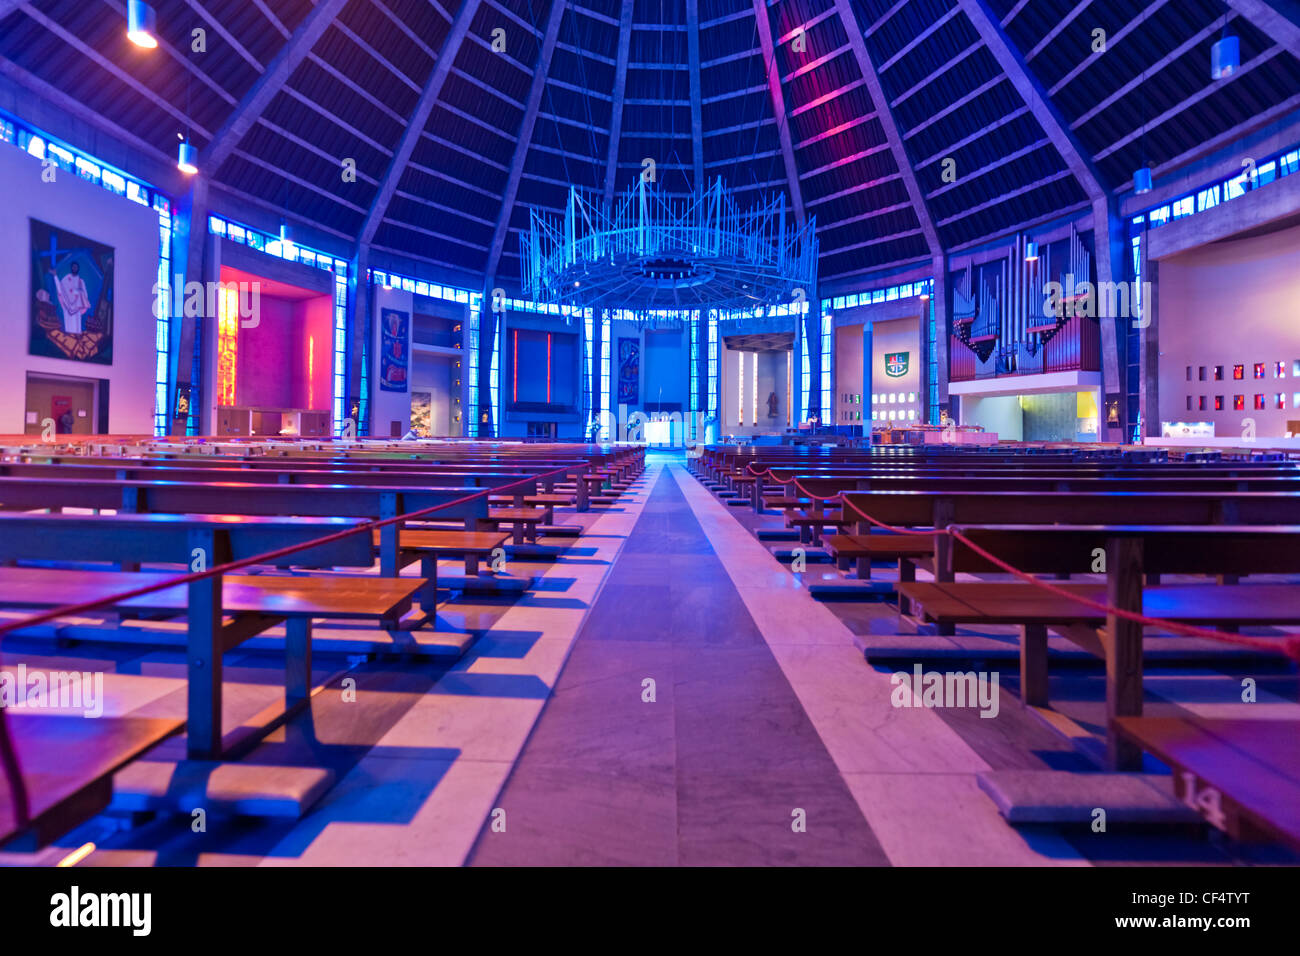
column 764, row 26
column 1053, row 33
column 1146, row 13
column 1149, row 73
column 1278, row 19
column 273, row 78
column 1192, row 100
column 524, row 138
column 1080, row 163
column 890, row 127
column 8, row 6
column 1005, row 197
column 417, row 121
column 620, row 90
column 111, row 68
column 697, row 118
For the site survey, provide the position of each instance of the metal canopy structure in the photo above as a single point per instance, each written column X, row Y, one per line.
column 654, row 253
column 900, row 125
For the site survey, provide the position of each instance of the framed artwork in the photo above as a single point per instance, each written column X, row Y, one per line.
column 394, row 349
column 629, row 370
column 71, row 296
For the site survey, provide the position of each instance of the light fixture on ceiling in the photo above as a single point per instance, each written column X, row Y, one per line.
column 187, row 158
column 286, row 234
column 1142, row 175
column 1225, row 55
column 1031, row 251
column 140, row 21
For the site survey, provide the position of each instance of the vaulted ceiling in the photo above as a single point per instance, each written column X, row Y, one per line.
column 849, row 106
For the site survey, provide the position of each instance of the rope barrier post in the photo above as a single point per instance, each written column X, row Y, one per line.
column 943, row 544
column 390, row 506
column 203, row 659
column 297, row 663
column 1124, row 560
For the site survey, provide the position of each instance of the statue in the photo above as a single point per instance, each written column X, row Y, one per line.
column 771, row 405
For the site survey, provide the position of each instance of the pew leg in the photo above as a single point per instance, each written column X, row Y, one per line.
column 864, row 567
column 1227, row 580
column 429, row 593
column 203, row 666
column 906, row 574
column 1033, row 665
column 517, row 533
column 1124, row 651
column 297, row 662
column 471, row 565
column 943, row 572
column 580, row 489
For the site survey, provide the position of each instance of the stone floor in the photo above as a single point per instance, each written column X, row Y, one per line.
column 667, row 694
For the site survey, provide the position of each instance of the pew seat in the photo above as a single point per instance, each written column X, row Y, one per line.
column 1243, row 776
column 864, row 548
column 522, row 521
column 434, row 543
column 68, row 762
column 810, row 523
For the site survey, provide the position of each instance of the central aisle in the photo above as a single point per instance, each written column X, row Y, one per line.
column 672, row 736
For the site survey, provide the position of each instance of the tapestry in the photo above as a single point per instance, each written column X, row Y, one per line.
column 72, row 296
column 394, row 332
column 629, row 371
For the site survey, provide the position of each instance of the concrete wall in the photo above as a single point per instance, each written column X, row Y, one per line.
column 132, row 230
column 1225, row 304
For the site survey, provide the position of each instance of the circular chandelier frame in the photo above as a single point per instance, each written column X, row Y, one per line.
column 652, row 256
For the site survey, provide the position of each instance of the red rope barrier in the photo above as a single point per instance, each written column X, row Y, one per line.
column 9, row 754
column 1289, row 646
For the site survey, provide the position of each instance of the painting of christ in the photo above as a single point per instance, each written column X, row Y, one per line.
column 72, row 296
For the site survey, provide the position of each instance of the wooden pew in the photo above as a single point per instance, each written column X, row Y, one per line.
column 254, row 603
column 1130, row 552
column 236, row 498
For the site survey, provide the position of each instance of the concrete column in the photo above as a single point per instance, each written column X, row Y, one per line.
column 1149, row 348
column 867, row 364
column 1108, row 241
column 358, row 334
column 189, row 243
column 940, row 302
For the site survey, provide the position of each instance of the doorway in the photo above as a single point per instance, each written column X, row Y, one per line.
column 65, row 405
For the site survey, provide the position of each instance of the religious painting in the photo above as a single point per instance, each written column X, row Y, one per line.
column 394, row 349
column 629, row 370
column 422, row 413
column 72, row 296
